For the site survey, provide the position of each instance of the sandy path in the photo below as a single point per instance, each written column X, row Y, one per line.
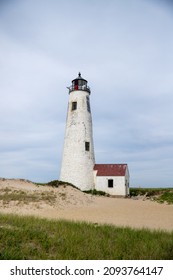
column 72, row 204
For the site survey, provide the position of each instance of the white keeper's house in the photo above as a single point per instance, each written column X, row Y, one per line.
column 78, row 161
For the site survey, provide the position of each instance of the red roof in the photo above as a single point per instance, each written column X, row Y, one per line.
column 110, row 169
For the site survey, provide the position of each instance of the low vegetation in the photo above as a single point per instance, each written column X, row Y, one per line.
column 160, row 195
column 157, row 194
column 7, row 195
column 56, row 184
column 32, row 238
column 95, row 192
column 166, row 196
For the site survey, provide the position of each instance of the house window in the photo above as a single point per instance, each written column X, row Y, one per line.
column 74, row 106
column 87, row 146
column 110, row 183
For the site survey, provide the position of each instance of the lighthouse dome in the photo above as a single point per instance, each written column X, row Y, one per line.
column 79, row 84
column 79, row 78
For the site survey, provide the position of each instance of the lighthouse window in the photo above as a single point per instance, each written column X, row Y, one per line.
column 74, row 106
column 87, row 146
column 110, row 183
column 88, row 104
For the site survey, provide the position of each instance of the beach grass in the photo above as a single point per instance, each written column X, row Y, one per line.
column 7, row 195
column 160, row 195
column 26, row 238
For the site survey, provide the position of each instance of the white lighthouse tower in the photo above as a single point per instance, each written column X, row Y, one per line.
column 78, row 154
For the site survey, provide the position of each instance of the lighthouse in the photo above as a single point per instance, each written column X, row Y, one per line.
column 78, row 158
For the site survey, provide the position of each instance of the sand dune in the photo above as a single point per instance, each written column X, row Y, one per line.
column 65, row 202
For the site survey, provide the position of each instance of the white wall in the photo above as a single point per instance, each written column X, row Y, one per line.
column 118, row 185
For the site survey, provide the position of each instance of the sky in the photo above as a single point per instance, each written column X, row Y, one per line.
column 124, row 49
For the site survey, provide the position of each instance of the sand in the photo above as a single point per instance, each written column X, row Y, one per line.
column 66, row 202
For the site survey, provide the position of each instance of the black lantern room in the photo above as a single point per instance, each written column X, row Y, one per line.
column 79, row 84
